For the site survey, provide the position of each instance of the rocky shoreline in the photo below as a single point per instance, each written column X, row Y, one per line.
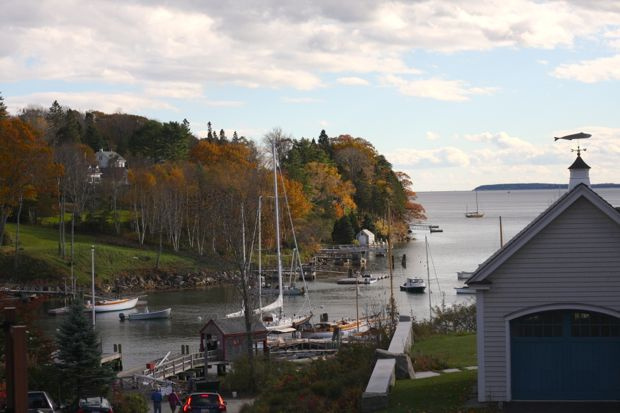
column 167, row 280
column 149, row 280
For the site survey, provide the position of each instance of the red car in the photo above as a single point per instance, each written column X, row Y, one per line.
column 204, row 403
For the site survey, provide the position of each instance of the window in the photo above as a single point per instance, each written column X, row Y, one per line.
column 587, row 324
column 545, row 324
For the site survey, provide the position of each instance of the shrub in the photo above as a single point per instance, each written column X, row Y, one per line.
column 129, row 403
column 459, row 318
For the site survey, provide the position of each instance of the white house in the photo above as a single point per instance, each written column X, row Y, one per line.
column 109, row 159
column 548, row 304
column 365, row 237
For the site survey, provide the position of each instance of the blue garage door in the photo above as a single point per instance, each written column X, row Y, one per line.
column 565, row 355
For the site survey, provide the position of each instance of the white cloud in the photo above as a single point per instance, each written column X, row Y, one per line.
column 301, row 100
column 86, row 101
column 352, row 81
column 502, row 158
column 434, row 88
column 432, row 136
column 591, row 71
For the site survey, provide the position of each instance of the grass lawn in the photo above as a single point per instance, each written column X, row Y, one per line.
column 456, row 350
column 444, row 393
column 41, row 243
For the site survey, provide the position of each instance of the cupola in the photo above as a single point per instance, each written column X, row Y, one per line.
column 579, row 172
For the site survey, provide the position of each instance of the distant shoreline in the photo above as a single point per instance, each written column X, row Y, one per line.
column 514, row 187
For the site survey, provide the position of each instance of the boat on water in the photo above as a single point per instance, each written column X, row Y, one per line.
column 357, row 280
column 273, row 315
column 463, row 275
column 474, row 214
column 464, row 290
column 147, row 315
column 101, row 306
column 413, row 285
column 328, row 329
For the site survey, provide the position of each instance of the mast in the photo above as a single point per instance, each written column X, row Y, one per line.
column 428, row 280
column 277, row 207
column 260, row 268
column 92, row 272
column 390, row 271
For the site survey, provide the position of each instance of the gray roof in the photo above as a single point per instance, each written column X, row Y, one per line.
column 235, row 325
column 538, row 224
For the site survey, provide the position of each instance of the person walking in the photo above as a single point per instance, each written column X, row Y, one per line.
column 157, row 398
column 173, row 400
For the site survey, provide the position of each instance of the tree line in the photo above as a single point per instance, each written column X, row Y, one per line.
column 185, row 193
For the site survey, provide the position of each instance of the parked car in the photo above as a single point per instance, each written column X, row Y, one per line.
column 40, row 401
column 94, row 404
column 204, row 403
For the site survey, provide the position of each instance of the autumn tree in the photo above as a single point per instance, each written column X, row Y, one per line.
column 26, row 168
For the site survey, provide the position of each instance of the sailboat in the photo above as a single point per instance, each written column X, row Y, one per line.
column 273, row 315
column 476, row 213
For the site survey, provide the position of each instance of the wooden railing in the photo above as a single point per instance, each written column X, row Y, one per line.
column 174, row 366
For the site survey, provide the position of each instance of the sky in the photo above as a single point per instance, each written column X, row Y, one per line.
column 454, row 93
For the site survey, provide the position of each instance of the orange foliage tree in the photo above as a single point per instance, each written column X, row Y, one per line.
column 26, row 167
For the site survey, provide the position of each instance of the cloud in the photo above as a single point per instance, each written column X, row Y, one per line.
column 498, row 157
column 590, row 71
column 434, row 88
column 352, row 81
column 105, row 102
column 432, row 136
column 301, row 100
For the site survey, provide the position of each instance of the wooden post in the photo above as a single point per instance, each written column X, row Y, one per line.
column 9, row 320
column 20, row 375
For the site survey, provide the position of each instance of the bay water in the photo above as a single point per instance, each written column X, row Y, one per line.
column 462, row 246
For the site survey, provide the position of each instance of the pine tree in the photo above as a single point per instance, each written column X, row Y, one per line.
column 79, row 354
column 3, row 111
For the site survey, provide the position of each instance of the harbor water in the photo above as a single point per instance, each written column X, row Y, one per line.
column 462, row 246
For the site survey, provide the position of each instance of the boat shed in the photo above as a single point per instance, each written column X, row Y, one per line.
column 548, row 306
column 365, row 237
column 228, row 337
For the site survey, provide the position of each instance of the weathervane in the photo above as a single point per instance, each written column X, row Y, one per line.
column 579, row 135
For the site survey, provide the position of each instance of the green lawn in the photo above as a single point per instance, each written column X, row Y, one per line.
column 441, row 394
column 41, row 243
column 456, row 350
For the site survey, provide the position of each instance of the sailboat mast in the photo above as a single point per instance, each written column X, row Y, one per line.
column 428, row 280
column 260, row 265
column 390, row 269
column 277, row 208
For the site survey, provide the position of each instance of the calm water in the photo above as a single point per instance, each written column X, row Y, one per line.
column 463, row 244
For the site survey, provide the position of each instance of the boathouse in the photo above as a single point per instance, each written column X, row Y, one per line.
column 228, row 337
column 548, row 304
column 365, row 237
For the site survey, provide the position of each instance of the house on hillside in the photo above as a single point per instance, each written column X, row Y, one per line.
column 365, row 237
column 548, row 304
column 110, row 166
column 228, row 337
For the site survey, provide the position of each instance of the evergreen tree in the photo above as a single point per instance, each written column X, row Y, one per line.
column 92, row 136
column 55, row 119
column 3, row 111
column 210, row 132
column 343, row 232
column 222, row 135
column 79, row 354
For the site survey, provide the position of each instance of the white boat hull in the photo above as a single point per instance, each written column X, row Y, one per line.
column 114, row 305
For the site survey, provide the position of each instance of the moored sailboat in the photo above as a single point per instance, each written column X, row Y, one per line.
column 273, row 315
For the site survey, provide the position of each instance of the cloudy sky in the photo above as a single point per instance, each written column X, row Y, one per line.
column 455, row 93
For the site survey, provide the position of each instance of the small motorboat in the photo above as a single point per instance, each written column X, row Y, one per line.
column 413, row 285
column 147, row 315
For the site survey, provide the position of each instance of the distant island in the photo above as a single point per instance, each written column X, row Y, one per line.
column 514, row 187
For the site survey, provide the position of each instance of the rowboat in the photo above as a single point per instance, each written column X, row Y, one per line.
column 147, row 315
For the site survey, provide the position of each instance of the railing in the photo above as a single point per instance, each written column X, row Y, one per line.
column 174, row 366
